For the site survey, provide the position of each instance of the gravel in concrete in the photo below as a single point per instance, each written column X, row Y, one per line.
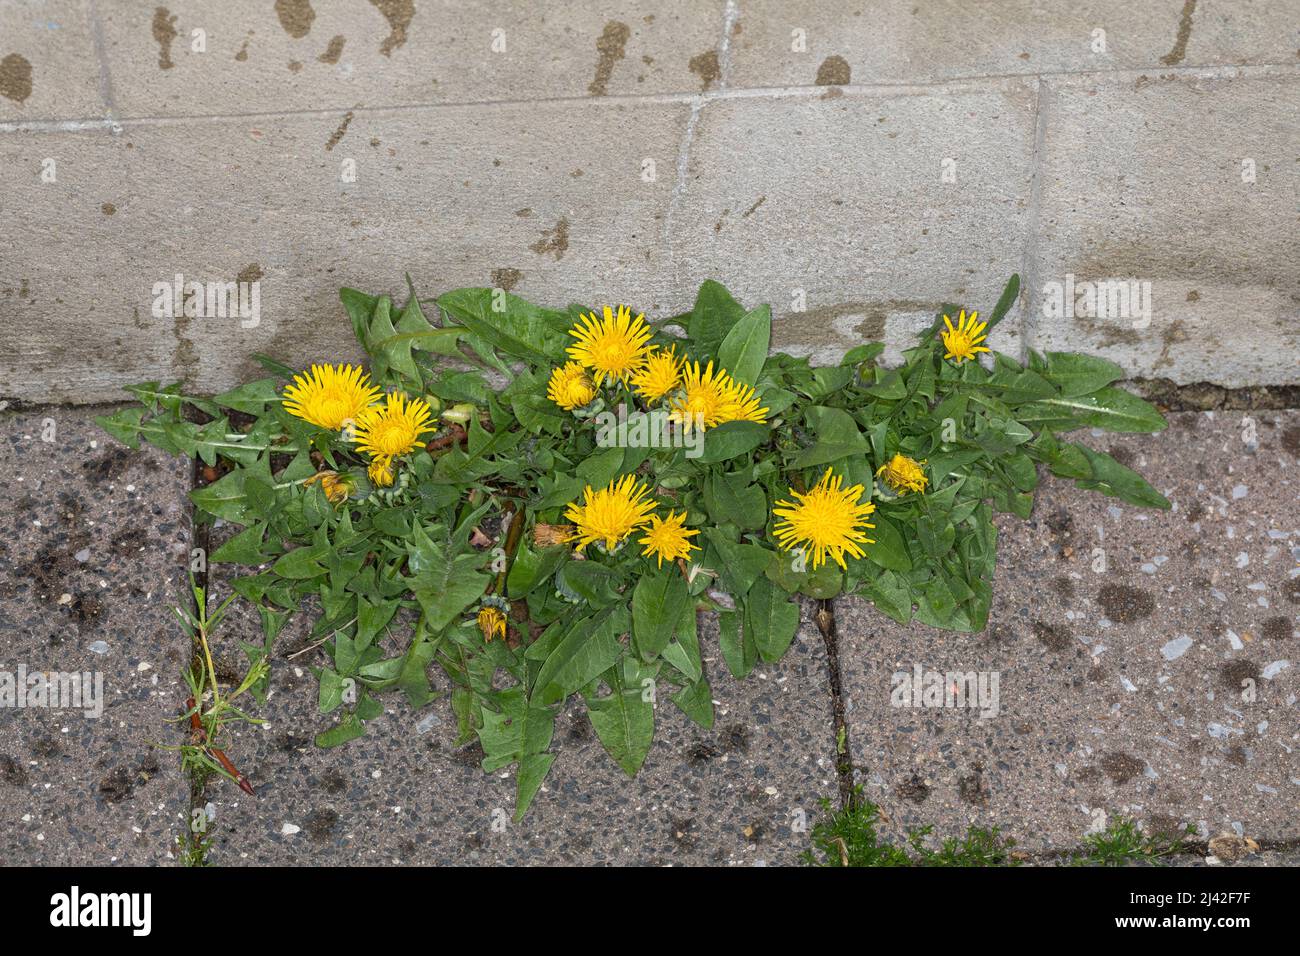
column 744, row 793
column 1163, row 688
column 95, row 543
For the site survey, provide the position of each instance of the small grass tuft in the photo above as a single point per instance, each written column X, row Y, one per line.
column 208, row 711
column 208, row 714
column 1122, row 844
column 193, row 849
column 848, row 837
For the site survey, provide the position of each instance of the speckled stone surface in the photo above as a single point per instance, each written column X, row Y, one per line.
column 745, row 792
column 1121, row 691
column 93, row 546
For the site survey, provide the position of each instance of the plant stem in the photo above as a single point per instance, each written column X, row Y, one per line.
column 207, row 656
column 514, row 533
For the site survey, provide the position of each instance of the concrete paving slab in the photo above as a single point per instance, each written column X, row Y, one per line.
column 1187, row 186
column 869, row 209
column 303, row 55
column 49, row 68
column 550, row 202
column 900, row 41
column 1122, row 693
column 93, row 555
column 744, row 793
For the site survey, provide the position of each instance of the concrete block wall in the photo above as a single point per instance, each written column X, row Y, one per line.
column 854, row 164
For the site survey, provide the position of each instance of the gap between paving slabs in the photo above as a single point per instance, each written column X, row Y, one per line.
column 199, row 542
column 825, row 621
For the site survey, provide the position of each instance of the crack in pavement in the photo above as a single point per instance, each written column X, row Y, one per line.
column 199, row 542
column 825, row 619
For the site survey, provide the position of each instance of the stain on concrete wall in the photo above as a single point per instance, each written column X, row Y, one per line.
column 506, row 278
column 334, row 51
column 705, row 66
column 554, row 241
column 339, row 133
column 609, row 48
column 834, row 71
column 15, row 78
column 164, row 32
column 295, row 16
column 399, row 14
column 1179, row 50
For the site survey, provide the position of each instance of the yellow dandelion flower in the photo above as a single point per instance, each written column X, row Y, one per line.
column 661, row 374
column 336, row 487
column 613, row 347
column 394, row 428
column 904, row 474
column 741, row 405
column 492, row 622
column 571, row 387
column 667, row 538
column 704, row 398
column 330, row 396
column 963, row 341
column 381, row 471
column 611, row 514
column 829, row 520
